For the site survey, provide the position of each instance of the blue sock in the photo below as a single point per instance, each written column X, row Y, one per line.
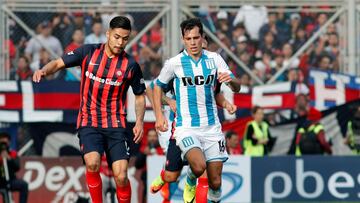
column 190, row 177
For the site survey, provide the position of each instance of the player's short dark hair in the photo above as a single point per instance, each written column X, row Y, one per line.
column 189, row 24
column 120, row 22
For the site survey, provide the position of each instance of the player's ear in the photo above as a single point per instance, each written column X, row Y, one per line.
column 107, row 34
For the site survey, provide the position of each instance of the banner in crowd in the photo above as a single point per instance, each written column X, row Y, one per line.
column 329, row 89
column 58, row 101
column 284, row 179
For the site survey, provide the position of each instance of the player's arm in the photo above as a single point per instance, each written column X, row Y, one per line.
column 71, row 59
column 226, row 76
column 224, row 103
column 149, row 94
column 169, row 101
column 166, row 74
column 139, row 112
column 50, row 68
column 138, row 87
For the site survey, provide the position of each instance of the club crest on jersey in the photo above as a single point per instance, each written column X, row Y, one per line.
column 210, row 63
column 118, row 73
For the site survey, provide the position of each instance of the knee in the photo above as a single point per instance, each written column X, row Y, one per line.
column 170, row 177
column 92, row 166
column 215, row 183
column 198, row 168
column 121, row 179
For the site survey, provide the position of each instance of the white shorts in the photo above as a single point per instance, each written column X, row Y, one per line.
column 165, row 136
column 209, row 139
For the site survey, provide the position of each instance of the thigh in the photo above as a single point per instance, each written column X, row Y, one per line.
column 187, row 140
column 174, row 161
column 91, row 140
column 116, row 145
column 214, row 147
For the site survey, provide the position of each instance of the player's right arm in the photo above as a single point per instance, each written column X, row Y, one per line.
column 71, row 59
column 50, row 68
column 166, row 74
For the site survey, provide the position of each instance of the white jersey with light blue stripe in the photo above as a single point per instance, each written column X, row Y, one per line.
column 194, row 84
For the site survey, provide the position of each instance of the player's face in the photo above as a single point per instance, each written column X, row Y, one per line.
column 193, row 42
column 117, row 39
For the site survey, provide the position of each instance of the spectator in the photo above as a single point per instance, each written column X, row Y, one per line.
column 299, row 40
column 238, row 30
column 276, row 65
column 233, row 143
column 241, row 45
column 310, row 137
column 223, row 23
column 288, row 52
column 333, row 45
column 63, row 28
column 23, row 70
column 253, row 18
column 263, row 66
column 257, row 138
column 33, row 48
column 352, row 138
column 13, row 164
column 77, row 41
column 295, row 23
column 325, row 62
column 268, row 45
column 97, row 36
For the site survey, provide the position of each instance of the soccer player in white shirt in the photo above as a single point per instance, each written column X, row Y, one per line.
column 198, row 133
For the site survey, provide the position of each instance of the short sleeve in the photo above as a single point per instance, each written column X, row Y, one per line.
column 137, row 80
column 222, row 66
column 74, row 58
column 166, row 74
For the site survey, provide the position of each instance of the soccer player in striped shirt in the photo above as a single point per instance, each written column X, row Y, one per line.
column 198, row 130
column 107, row 72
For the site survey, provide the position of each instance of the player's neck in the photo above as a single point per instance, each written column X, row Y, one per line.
column 195, row 57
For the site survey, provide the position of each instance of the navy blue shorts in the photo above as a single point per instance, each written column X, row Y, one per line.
column 113, row 141
column 173, row 157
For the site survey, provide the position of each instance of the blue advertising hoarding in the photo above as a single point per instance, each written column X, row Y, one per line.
column 308, row 178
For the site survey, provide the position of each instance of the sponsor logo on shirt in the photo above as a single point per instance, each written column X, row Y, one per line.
column 106, row 81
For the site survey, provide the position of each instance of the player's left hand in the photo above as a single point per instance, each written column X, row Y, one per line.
column 138, row 132
column 231, row 108
column 224, row 77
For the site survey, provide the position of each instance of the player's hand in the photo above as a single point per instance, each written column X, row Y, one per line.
column 161, row 124
column 38, row 75
column 138, row 132
column 231, row 108
column 172, row 104
column 224, row 77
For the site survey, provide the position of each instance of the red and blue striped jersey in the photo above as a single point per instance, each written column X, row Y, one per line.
column 104, row 85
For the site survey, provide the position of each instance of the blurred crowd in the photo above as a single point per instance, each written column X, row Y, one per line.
column 263, row 40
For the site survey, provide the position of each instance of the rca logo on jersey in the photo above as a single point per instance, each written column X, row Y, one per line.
column 198, row 80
